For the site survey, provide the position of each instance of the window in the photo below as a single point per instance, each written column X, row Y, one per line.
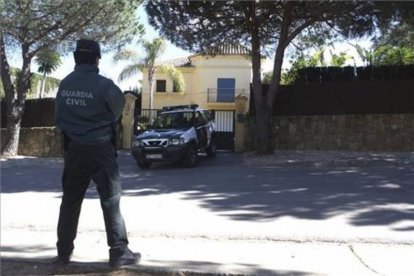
column 208, row 115
column 161, row 86
column 225, row 90
column 200, row 119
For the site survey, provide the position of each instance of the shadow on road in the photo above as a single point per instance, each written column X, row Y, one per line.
column 380, row 195
column 21, row 266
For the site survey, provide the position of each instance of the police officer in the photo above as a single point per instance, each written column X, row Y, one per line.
column 88, row 107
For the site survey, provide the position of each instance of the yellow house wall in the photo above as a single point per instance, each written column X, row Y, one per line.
column 169, row 97
column 209, row 69
column 199, row 78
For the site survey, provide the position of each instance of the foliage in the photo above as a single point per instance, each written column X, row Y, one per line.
column 303, row 61
column 48, row 23
column 395, row 24
column 379, row 56
column 153, row 50
column 366, row 55
column 339, row 60
column 50, row 84
column 264, row 27
column 32, row 26
column 197, row 25
column 48, row 60
column 386, row 55
column 175, row 75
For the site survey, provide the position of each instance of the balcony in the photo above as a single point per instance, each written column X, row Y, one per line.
column 223, row 95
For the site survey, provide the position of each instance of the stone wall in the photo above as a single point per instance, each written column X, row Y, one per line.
column 391, row 132
column 377, row 132
column 39, row 141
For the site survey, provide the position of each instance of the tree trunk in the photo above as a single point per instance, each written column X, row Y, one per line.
column 42, row 86
column 14, row 105
column 263, row 137
column 12, row 134
column 151, row 92
column 274, row 88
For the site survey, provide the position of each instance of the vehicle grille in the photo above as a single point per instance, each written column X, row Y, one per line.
column 155, row 142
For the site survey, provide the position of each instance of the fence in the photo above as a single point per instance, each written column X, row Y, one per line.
column 37, row 113
column 362, row 97
column 350, row 73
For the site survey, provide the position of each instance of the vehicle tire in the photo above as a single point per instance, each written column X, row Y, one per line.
column 190, row 159
column 211, row 149
column 143, row 164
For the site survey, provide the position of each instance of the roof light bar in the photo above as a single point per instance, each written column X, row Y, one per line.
column 174, row 107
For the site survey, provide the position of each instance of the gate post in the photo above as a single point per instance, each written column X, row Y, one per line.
column 240, row 127
column 128, row 120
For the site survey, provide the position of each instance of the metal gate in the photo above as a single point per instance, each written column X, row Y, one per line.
column 224, row 120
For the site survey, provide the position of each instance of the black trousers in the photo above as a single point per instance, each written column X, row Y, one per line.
column 84, row 163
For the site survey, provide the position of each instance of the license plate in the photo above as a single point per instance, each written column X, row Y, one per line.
column 154, row 156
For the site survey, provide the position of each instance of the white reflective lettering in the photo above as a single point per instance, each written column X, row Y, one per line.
column 76, row 97
column 77, row 94
column 74, row 101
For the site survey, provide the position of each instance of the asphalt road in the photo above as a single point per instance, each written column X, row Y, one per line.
column 227, row 216
column 223, row 197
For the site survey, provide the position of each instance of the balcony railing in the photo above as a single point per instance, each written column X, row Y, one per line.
column 223, row 95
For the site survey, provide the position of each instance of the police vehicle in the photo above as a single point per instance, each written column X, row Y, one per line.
column 178, row 134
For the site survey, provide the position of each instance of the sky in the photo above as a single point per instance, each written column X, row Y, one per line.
column 112, row 70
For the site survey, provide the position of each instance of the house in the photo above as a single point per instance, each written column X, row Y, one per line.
column 212, row 79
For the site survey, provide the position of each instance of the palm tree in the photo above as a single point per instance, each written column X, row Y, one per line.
column 153, row 50
column 48, row 61
column 339, row 60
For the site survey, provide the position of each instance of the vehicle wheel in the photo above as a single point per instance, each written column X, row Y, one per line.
column 143, row 164
column 211, row 149
column 191, row 157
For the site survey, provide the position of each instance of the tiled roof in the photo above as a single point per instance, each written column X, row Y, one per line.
column 226, row 49
column 221, row 49
column 179, row 62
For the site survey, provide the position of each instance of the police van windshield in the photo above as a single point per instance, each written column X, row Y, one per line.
column 174, row 120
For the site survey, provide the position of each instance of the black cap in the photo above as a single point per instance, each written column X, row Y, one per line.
column 89, row 46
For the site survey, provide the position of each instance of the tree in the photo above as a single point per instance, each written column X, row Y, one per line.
column 338, row 60
column 153, row 50
column 386, row 55
column 366, row 55
column 290, row 75
column 389, row 55
column 395, row 24
column 262, row 26
column 48, row 61
column 32, row 26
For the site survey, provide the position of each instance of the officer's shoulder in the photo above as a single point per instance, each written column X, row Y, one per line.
column 68, row 77
column 108, row 84
column 105, row 80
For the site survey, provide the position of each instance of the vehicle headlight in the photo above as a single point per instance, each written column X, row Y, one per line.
column 136, row 143
column 176, row 141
